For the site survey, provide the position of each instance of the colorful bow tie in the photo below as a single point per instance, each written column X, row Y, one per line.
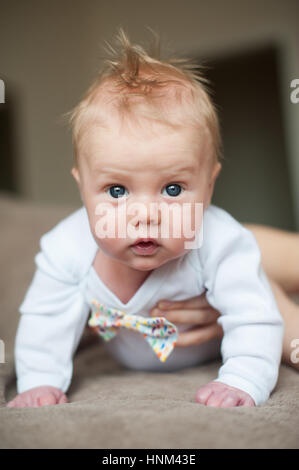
column 158, row 332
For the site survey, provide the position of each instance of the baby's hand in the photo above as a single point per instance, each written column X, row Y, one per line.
column 223, row 396
column 38, row 396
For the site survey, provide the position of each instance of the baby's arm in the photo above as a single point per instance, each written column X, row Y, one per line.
column 253, row 328
column 53, row 316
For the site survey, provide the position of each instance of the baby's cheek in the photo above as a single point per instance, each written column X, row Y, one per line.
column 186, row 221
column 174, row 247
column 111, row 246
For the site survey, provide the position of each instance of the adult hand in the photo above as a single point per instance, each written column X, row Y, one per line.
column 196, row 311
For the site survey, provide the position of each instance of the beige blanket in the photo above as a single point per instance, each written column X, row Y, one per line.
column 111, row 407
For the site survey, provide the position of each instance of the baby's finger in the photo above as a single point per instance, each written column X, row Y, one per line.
column 199, row 335
column 10, row 404
column 199, row 301
column 62, row 399
column 16, row 404
column 229, row 401
column 203, row 394
column 19, row 404
column 215, row 399
column 248, row 401
column 194, row 317
column 47, row 399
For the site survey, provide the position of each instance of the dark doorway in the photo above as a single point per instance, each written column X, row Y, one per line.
column 254, row 183
column 8, row 146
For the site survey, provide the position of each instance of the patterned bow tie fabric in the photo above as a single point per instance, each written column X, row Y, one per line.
column 159, row 333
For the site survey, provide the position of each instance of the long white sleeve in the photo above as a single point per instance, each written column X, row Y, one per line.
column 53, row 312
column 238, row 288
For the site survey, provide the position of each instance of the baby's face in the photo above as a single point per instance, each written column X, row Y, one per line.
column 118, row 169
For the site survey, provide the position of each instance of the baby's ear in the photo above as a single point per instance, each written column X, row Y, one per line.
column 76, row 174
column 215, row 172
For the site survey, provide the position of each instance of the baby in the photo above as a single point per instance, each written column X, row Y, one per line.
column 147, row 133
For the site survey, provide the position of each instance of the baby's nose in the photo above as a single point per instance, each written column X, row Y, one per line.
column 148, row 213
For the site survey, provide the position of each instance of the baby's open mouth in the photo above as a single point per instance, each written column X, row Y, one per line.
column 145, row 242
column 145, row 246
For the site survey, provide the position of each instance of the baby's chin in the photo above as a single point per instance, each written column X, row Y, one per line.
column 164, row 253
column 148, row 263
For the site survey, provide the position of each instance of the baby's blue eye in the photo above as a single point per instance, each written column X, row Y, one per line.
column 116, row 191
column 173, row 189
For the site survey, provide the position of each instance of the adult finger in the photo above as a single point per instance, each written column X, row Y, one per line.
column 194, row 317
column 196, row 302
column 199, row 335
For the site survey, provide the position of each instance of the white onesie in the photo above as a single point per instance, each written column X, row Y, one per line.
column 57, row 304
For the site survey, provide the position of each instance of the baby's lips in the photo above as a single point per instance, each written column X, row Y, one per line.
column 145, row 240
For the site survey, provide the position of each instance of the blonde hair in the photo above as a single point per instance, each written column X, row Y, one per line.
column 138, row 86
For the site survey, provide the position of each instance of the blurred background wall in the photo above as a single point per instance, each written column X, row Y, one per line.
column 51, row 50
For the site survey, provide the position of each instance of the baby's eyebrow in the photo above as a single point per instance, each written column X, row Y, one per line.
column 112, row 171
column 169, row 171
column 178, row 170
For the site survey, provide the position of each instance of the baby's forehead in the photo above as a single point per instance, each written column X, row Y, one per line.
column 142, row 137
column 148, row 155
column 164, row 151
